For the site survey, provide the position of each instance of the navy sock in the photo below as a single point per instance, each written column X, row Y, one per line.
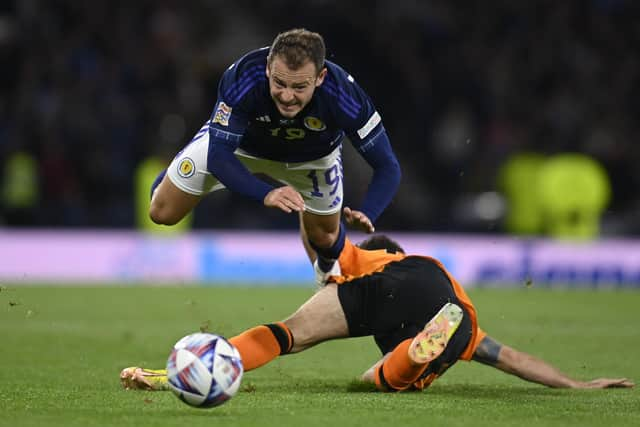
column 156, row 182
column 328, row 256
column 325, row 264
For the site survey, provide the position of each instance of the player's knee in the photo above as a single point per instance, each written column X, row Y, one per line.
column 162, row 215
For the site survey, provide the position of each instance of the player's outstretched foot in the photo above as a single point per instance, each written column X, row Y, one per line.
column 322, row 276
column 135, row 378
column 431, row 342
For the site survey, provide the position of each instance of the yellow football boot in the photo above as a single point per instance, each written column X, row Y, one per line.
column 432, row 340
column 135, row 378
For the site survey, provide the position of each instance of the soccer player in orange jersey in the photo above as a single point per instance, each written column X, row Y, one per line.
column 421, row 318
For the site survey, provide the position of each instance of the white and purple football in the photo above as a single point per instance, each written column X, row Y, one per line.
column 204, row 370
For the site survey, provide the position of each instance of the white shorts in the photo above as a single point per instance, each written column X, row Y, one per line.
column 318, row 181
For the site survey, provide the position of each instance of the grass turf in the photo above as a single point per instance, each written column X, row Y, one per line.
column 61, row 350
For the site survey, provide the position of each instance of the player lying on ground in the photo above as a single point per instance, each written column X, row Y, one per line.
column 284, row 111
column 421, row 318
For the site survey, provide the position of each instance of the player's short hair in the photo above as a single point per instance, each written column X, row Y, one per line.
column 298, row 46
column 380, row 241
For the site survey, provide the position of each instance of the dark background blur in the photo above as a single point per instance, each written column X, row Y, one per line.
column 91, row 88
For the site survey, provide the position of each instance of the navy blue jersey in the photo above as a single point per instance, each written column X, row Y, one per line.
column 246, row 117
column 338, row 107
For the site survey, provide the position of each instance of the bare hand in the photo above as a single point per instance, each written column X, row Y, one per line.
column 608, row 383
column 286, row 198
column 358, row 220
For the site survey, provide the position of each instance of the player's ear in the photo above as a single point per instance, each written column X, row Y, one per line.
column 267, row 71
column 321, row 75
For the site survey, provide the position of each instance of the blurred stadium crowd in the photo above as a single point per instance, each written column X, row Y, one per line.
column 90, row 89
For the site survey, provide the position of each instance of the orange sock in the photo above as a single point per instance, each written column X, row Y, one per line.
column 398, row 372
column 262, row 344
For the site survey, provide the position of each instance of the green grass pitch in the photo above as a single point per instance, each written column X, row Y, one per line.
column 61, row 350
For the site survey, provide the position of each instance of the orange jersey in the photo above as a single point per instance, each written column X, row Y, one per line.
column 356, row 262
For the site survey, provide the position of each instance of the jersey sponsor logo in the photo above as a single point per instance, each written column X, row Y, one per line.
column 186, row 168
column 222, row 114
column 314, row 123
column 368, row 127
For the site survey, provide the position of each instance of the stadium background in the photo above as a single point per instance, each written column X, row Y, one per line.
column 90, row 90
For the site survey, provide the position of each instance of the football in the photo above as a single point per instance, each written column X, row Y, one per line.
column 204, row 370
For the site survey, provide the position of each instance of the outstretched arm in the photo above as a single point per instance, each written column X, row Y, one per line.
column 377, row 151
column 225, row 166
column 530, row 368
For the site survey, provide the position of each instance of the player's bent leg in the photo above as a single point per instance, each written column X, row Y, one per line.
column 326, row 236
column 169, row 204
column 369, row 375
column 432, row 340
column 330, row 267
column 257, row 346
column 156, row 182
column 321, row 230
column 406, row 363
column 187, row 179
column 319, row 319
column 311, row 254
column 261, row 344
column 135, row 378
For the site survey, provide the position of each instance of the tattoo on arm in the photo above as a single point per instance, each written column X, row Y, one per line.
column 488, row 351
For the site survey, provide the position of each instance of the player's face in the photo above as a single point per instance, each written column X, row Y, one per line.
column 291, row 90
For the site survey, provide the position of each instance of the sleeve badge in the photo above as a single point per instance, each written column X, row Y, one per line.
column 222, row 114
column 186, row 168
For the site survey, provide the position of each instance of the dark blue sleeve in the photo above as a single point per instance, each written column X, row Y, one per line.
column 357, row 116
column 386, row 174
column 225, row 166
column 228, row 124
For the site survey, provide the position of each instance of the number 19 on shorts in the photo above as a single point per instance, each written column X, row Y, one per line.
column 330, row 178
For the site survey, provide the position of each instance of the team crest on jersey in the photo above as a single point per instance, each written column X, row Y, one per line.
column 186, row 168
column 222, row 114
column 313, row 123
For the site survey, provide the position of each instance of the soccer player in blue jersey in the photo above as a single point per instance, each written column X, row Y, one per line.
column 284, row 111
